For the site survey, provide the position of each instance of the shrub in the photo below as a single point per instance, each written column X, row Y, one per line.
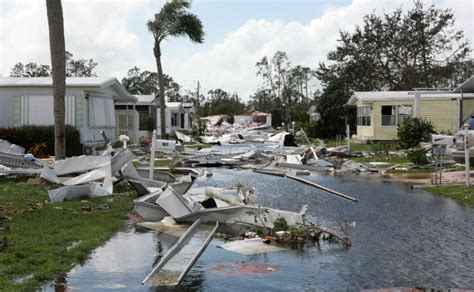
column 417, row 156
column 280, row 224
column 31, row 136
column 412, row 131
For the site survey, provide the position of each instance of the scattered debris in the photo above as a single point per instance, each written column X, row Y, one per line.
column 7, row 147
column 170, row 203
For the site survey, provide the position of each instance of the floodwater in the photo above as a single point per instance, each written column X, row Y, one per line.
column 402, row 237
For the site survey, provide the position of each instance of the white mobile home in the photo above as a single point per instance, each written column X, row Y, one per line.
column 89, row 104
column 137, row 117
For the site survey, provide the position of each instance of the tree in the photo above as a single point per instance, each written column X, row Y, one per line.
column 274, row 72
column 219, row 102
column 284, row 83
column 58, row 65
column 298, row 78
column 145, row 82
column 75, row 68
column 80, row 67
column 396, row 51
column 261, row 100
column 172, row 21
column 138, row 82
column 30, row 70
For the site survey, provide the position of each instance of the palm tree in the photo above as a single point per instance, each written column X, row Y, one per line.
column 173, row 20
column 58, row 65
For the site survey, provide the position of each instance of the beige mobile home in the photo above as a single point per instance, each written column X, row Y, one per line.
column 379, row 112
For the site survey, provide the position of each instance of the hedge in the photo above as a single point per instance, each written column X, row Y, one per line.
column 31, row 136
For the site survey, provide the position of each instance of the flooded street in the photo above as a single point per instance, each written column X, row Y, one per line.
column 402, row 237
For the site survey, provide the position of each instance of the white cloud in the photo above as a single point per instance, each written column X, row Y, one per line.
column 231, row 63
column 114, row 34
column 93, row 29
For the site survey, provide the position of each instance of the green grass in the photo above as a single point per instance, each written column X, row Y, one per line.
column 460, row 193
column 45, row 240
column 391, row 160
column 158, row 163
column 361, row 147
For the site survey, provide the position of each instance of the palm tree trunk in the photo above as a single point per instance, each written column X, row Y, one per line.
column 58, row 65
column 161, row 85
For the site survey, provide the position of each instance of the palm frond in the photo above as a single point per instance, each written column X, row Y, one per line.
column 174, row 20
column 191, row 26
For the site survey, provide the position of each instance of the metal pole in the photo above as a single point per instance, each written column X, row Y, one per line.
column 466, row 154
column 348, row 133
column 152, row 155
column 441, row 169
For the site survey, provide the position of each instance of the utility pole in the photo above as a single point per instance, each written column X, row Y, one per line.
column 197, row 108
column 306, row 86
column 197, row 95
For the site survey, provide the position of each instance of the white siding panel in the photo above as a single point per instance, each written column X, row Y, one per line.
column 39, row 110
column 6, row 110
column 101, row 112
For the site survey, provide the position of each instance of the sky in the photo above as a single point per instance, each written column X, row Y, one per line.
column 238, row 33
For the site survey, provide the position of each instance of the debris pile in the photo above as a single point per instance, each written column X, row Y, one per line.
column 172, row 204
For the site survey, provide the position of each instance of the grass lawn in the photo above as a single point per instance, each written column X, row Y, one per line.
column 158, row 163
column 460, row 193
column 41, row 241
column 361, row 147
column 391, row 159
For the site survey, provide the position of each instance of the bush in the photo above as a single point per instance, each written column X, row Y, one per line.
column 280, row 224
column 417, row 156
column 30, row 137
column 412, row 131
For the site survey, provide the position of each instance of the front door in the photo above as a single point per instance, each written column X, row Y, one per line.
column 182, row 121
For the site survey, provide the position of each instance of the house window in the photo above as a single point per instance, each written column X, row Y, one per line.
column 143, row 120
column 174, row 119
column 363, row 116
column 404, row 111
column 389, row 116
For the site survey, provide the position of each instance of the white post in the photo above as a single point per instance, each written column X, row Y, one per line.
column 124, row 139
column 348, row 133
column 293, row 126
column 417, row 104
column 466, row 154
column 152, row 155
